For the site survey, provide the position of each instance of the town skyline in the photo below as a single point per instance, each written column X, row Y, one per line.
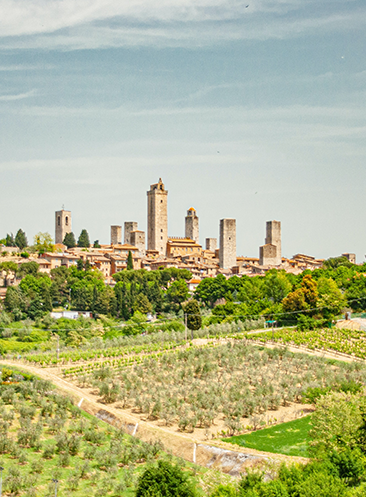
column 255, row 113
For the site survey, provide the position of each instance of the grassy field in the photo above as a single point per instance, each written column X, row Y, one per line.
column 287, row 438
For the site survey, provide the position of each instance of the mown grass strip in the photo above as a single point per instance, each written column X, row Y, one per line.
column 291, row 438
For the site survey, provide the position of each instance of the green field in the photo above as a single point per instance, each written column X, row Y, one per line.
column 287, row 438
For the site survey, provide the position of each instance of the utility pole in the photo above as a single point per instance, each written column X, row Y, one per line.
column 1, row 481
column 55, row 482
column 185, row 324
column 58, row 348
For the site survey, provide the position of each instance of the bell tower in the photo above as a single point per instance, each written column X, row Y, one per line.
column 62, row 225
column 157, row 217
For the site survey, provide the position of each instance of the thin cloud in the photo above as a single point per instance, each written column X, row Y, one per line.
column 69, row 25
column 19, row 96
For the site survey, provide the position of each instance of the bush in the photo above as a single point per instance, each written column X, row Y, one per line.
column 165, row 480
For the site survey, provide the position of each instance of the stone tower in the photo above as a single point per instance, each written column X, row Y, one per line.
column 62, row 225
column 129, row 226
column 192, row 225
column 116, row 235
column 227, row 254
column 137, row 239
column 270, row 253
column 157, row 217
column 211, row 244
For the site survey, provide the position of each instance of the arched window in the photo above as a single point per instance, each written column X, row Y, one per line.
column 66, row 221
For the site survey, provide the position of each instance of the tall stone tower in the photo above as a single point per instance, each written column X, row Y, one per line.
column 116, row 235
column 270, row 253
column 129, row 226
column 157, row 217
column 227, row 254
column 62, row 225
column 192, row 225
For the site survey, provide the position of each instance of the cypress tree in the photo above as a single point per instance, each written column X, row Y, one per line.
column 83, row 240
column 21, row 239
column 129, row 261
column 69, row 240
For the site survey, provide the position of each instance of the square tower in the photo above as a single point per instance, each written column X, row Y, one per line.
column 273, row 237
column 192, row 225
column 227, row 254
column 116, row 235
column 157, row 217
column 62, row 225
column 138, row 241
column 129, row 226
column 211, row 244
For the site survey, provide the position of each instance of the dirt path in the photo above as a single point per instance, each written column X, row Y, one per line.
column 218, row 454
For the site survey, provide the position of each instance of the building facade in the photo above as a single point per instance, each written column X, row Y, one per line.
column 157, row 217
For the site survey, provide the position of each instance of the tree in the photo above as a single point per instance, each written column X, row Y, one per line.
column 330, row 301
column 129, row 261
column 165, row 480
column 83, row 240
column 96, row 244
column 21, row 239
column 28, row 268
column 192, row 311
column 336, row 423
column 69, row 240
column 9, row 240
column 142, row 304
column 276, row 286
column 43, row 243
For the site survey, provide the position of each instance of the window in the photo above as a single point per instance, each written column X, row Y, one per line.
column 161, row 238
column 66, row 221
column 161, row 231
column 58, row 221
column 161, row 201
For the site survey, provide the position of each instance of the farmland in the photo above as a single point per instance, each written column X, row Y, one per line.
column 44, row 436
column 350, row 342
column 212, row 388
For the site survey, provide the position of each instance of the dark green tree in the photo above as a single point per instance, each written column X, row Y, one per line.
column 83, row 240
column 192, row 312
column 21, row 239
column 129, row 261
column 165, row 480
column 69, row 240
column 80, row 265
column 9, row 240
column 28, row 268
column 96, row 244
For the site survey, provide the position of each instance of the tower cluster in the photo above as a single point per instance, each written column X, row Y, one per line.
column 160, row 246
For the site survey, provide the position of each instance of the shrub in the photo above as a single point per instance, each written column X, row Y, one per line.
column 165, row 480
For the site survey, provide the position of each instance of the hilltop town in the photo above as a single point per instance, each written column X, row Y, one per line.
column 159, row 250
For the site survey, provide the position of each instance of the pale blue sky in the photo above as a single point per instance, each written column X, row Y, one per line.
column 254, row 112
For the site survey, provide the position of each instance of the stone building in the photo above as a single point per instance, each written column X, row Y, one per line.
column 116, row 235
column 182, row 246
column 157, row 217
column 192, row 230
column 227, row 253
column 138, row 240
column 62, row 225
column 270, row 253
column 129, row 226
column 211, row 244
column 350, row 257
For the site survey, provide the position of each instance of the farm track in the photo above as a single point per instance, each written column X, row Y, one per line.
column 218, row 455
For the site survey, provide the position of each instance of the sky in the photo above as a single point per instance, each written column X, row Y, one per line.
column 253, row 110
